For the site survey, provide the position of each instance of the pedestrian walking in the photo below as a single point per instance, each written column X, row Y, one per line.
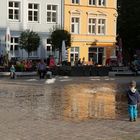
column 133, row 100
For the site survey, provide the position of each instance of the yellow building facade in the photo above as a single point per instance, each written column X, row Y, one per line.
column 92, row 24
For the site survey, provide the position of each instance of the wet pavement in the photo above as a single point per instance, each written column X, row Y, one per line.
column 66, row 108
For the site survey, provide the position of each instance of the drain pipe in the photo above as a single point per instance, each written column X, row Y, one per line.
column 62, row 14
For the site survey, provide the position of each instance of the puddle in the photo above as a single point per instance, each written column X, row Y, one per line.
column 72, row 101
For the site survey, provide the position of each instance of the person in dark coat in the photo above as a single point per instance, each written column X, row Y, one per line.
column 41, row 69
column 133, row 100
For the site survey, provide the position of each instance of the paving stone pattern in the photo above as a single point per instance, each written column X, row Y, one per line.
column 68, row 109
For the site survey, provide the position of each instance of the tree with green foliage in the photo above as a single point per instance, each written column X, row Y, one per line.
column 29, row 41
column 57, row 36
column 129, row 26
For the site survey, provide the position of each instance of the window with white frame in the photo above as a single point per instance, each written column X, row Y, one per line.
column 14, row 10
column 96, row 25
column 75, row 25
column 48, row 44
column 101, row 26
column 75, row 1
column 52, row 13
column 101, row 2
column 48, row 47
column 92, row 26
column 33, row 12
column 74, row 54
column 33, row 54
column 92, row 2
column 14, row 47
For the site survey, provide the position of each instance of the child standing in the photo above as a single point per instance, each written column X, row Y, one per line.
column 133, row 100
column 12, row 72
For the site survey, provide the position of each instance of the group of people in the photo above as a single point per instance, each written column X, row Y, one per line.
column 27, row 65
column 82, row 62
column 42, row 67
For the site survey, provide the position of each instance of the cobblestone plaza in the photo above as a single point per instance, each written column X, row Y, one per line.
column 66, row 108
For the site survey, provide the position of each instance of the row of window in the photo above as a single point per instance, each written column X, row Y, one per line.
column 95, row 26
column 92, row 2
column 14, row 48
column 94, row 53
column 14, row 11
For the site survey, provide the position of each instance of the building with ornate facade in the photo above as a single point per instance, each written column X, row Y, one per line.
column 92, row 24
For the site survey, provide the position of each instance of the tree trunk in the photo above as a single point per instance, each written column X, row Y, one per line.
column 28, row 55
column 60, row 57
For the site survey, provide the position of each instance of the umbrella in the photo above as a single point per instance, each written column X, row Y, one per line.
column 63, row 50
column 7, row 41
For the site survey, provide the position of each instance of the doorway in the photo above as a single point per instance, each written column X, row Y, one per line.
column 96, row 54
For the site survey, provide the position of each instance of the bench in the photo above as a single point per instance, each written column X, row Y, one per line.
column 121, row 71
column 4, row 73
column 117, row 69
column 26, row 73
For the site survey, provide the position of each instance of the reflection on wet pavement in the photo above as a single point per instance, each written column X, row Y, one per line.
column 66, row 108
column 68, row 101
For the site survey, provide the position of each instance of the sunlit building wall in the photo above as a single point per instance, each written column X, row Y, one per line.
column 92, row 24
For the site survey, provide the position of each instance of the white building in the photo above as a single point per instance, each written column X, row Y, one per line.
column 37, row 15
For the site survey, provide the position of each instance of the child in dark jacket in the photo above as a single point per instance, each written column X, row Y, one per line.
column 133, row 100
